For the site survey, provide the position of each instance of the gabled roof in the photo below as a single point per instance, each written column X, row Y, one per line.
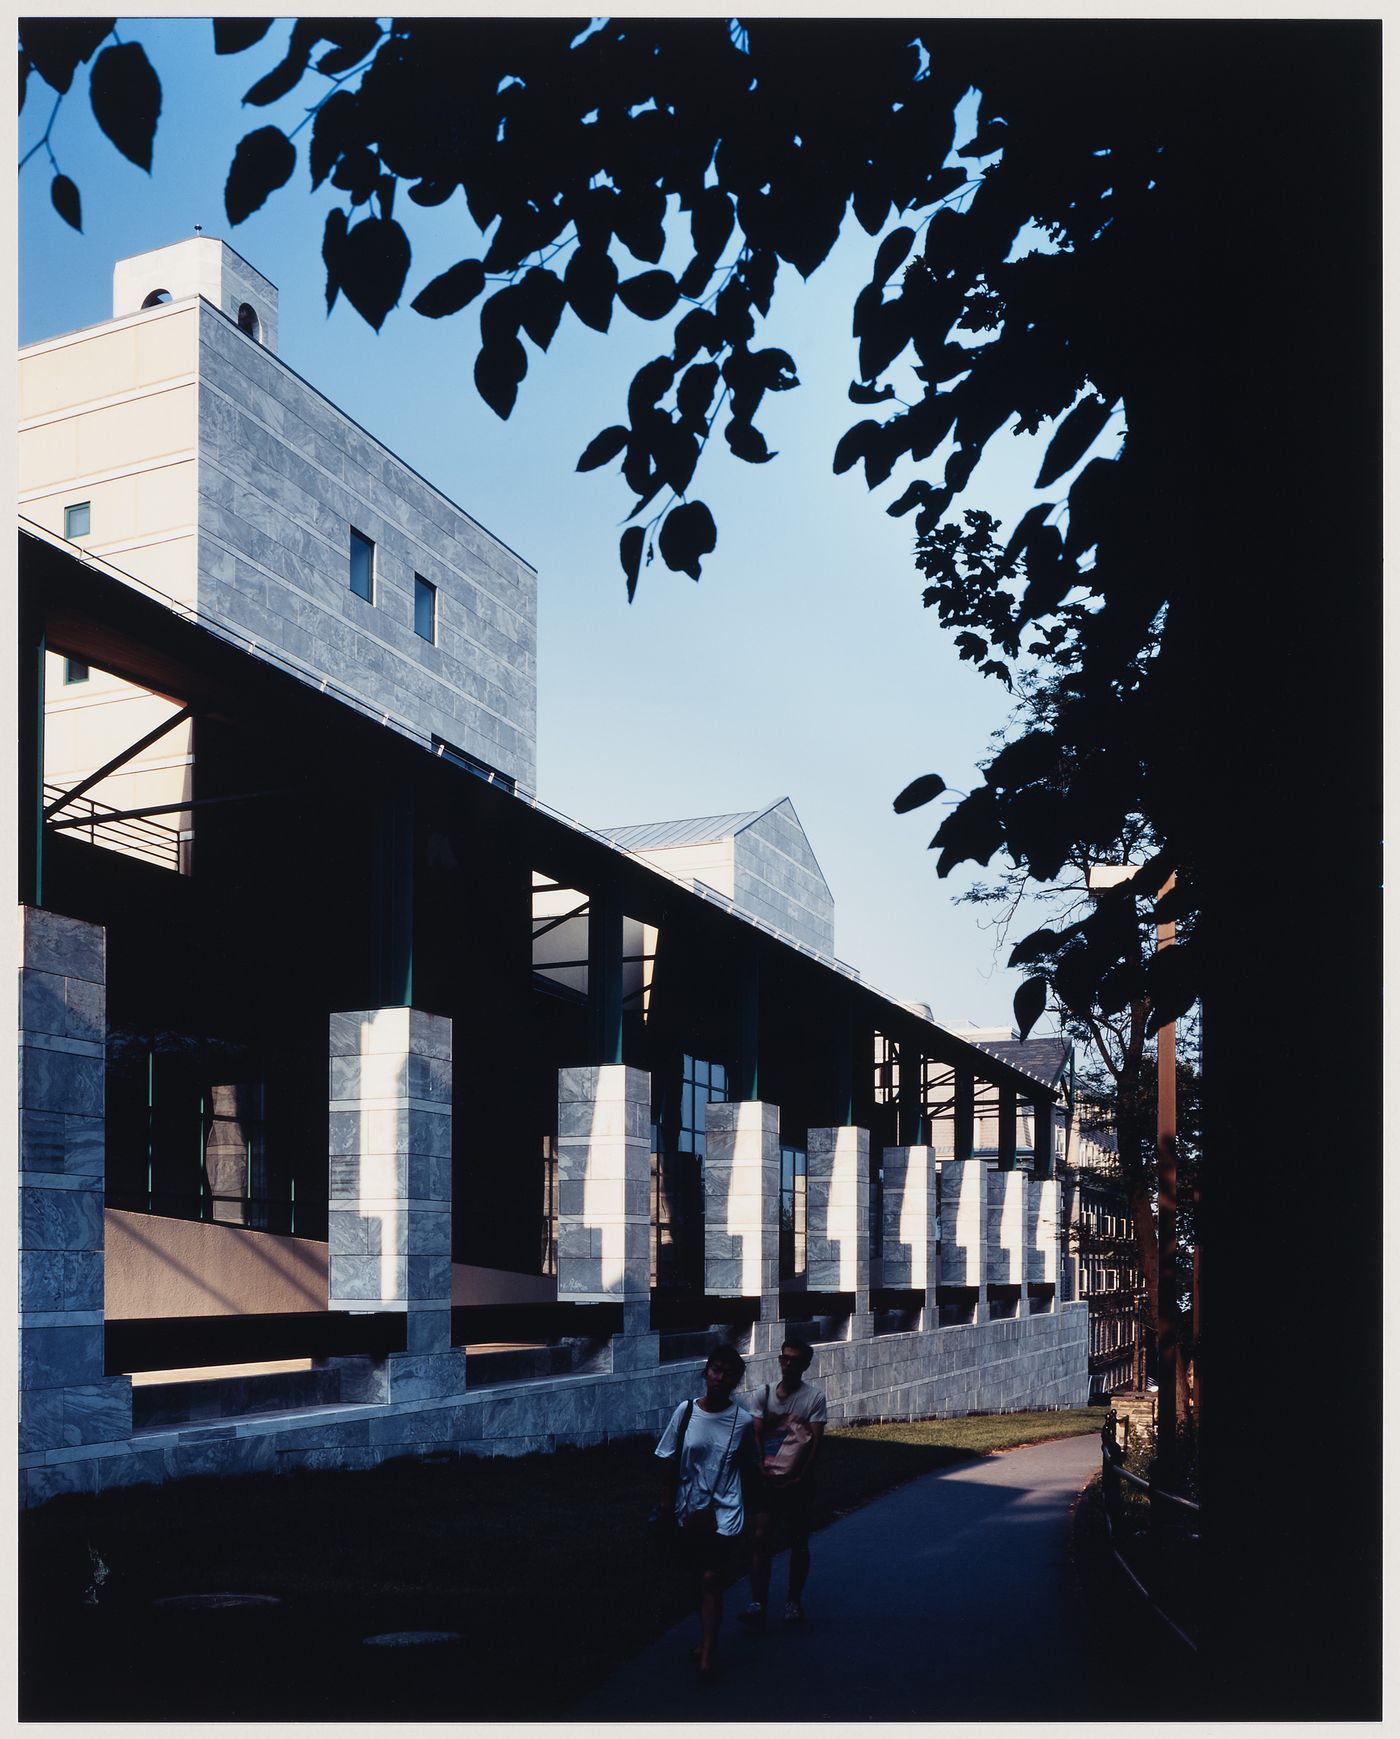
column 1043, row 1059
column 701, row 830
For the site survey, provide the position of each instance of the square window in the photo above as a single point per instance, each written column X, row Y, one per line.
column 361, row 566
column 424, row 608
column 77, row 520
column 75, row 670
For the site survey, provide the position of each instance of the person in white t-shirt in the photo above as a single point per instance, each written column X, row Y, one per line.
column 704, row 1487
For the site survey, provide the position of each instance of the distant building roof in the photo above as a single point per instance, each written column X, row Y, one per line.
column 1042, row 1059
column 700, row 830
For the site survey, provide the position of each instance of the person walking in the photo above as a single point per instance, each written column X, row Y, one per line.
column 705, row 1446
column 789, row 1420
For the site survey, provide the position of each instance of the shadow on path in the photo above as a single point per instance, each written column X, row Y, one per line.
column 948, row 1599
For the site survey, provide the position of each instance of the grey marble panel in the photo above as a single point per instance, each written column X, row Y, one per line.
column 68, row 947
column 98, row 1412
column 84, row 1141
column 429, row 1277
column 40, row 1419
column 428, row 1331
column 348, row 1232
column 60, row 1219
column 54, row 1357
column 429, row 1175
column 42, row 1141
column 86, row 1004
column 39, row 1484
column 366, row 1278
column 53, row 1080
column 43, row 1003
column 60, row 1279
column 426, row 1376
column 193, row 1458
column 139, row 1467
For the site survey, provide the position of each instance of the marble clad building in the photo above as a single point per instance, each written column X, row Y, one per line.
column 367, row 1106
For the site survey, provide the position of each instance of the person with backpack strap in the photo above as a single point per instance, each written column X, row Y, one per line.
column 705, row 1447
column 790, row 1418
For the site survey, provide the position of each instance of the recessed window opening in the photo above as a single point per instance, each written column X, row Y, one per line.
column 248, row 320
column 155, row 298
column 361, row 565
column 77, row 520
column 424, row 609
column 75, row 670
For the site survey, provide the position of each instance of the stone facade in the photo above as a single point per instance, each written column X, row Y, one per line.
column 604, row 1241
column 910, row 1240
column 963, row 1222
column 777, row 878
column 995, row 1367
column 1006, row 1228
column 68, row 1404
column 741, row 1199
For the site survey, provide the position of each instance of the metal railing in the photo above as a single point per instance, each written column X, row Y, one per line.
column 1165, row 1551
column 100, row 824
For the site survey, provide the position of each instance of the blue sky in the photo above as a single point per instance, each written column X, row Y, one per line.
column 802, row 665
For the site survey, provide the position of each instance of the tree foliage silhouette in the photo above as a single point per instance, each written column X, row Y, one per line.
column 1051, row 274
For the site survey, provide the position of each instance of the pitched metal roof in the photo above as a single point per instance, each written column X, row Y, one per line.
column 700, row 830
column 1043, row 1059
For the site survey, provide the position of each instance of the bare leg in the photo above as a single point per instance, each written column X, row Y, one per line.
column 711, row 1609
column 761, row 1567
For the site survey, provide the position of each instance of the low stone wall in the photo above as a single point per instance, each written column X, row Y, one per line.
column 1024, row 1362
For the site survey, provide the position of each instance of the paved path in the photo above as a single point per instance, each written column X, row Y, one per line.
column 948, row 1599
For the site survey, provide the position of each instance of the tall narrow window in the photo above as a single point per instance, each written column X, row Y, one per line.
column 75, row 670
column 424, row 608
column 77, row 519
column 361, row 566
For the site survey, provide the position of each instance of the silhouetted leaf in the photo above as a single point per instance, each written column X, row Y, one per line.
column 652, row 295
column 374, row 261
column 451, row 290
column 125, row 96
column 746, row 442
column 332, row 131
column 1029, row 1004
column 630, row 551
column 1037, row 946
column 696, row 391
column 500, row 368
column 992, row 137
column 892, row 253
column 711, row 223
column 687, row 533
column 263, row 162
column 854, row 445
column 1073, row 439
column 1171, row 983
column 66, row 201
column 432, row 192
column 286, row 75
column 920, row 791
column 917, row 491
column 972, row 830
column 696, row 331
column 332, row 247
column 233, row 35
column 357, row 173
column 58, row 46
column 590, row 280
column 353, row 37
column 1034, row 756
column 541, row 303
column 602, row 448
column 870, row 395
column 25, row 67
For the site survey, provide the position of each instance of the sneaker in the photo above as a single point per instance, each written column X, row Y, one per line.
column 754, row 1616
column 793, row 1613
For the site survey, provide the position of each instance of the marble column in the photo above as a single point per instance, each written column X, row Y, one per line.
column 963, row 1251
column 741, row 1210
column 1043, row 1232
column 390, row 1201
column 1006, row 1232
column 604, row 1242
column 66, row 1398
column 911, row 1225
column 838, row 1218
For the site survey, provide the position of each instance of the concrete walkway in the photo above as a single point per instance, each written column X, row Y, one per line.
column 948, row 1599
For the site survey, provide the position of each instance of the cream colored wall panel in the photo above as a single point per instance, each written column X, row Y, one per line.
column 79, row 739
column 144, row 428
column 167, row 347
column 164, row 498
column 48, row 454
column 76, row 373
column 169, row 566
column 711, row 863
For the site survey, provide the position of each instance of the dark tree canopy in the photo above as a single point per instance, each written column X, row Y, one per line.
column 1064, row 270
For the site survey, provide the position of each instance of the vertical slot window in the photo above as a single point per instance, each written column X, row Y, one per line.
column 361, row 566
column 77, row 520
column 425, row 609
column 75, row 670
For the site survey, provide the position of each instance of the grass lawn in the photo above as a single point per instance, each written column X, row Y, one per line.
column 541, row 1566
